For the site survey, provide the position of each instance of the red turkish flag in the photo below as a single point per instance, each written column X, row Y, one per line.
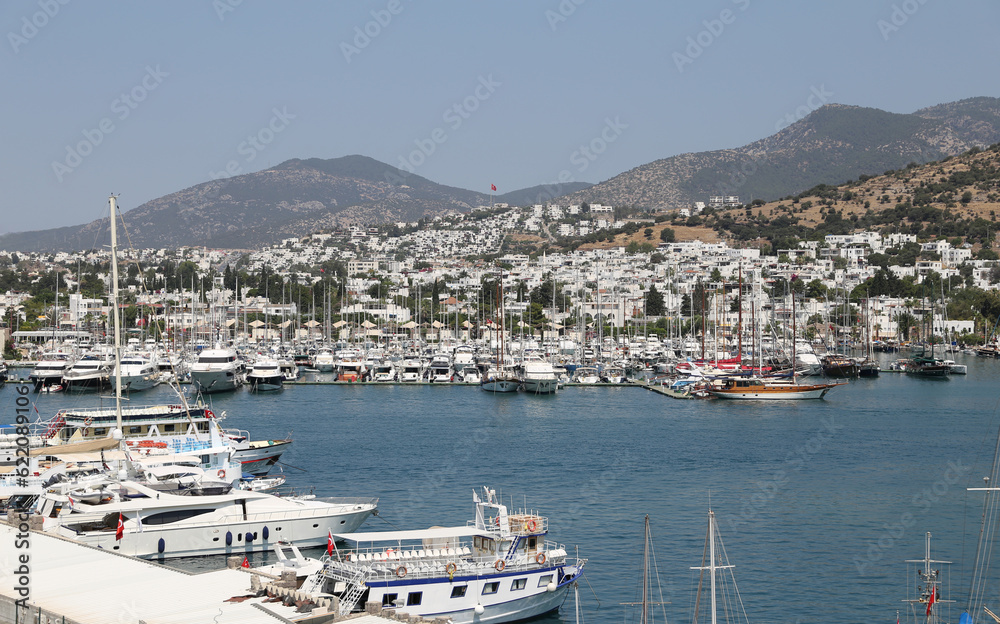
column 246, row 562
column 493, row 187
column 120, row 531
column 329, row 542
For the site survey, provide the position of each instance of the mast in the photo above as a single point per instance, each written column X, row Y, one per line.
column 739, row 323
column 116, row 321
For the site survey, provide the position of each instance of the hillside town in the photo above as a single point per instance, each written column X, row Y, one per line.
column 619, row 289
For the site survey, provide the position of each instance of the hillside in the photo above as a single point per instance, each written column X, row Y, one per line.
column 294, row 198
column 831, row 145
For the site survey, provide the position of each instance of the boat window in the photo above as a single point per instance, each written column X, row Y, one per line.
column 100, row 432
column 531, row 543
column 459, row 592
column 491, row 588
column 135, row 429
column 388, row 599
column 520, row 583
column 414, row 598
column 545, row 580
column 168, row 517
column 215, row 360
column 168, row 427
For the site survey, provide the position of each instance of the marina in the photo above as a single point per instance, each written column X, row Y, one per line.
column 808, row 494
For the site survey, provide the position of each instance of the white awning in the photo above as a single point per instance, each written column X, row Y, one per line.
column 406, row 536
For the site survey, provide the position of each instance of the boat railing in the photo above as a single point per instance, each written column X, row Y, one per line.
column 391, row 564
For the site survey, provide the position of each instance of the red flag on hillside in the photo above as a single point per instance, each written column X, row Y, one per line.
column 329, row 542
column 246, row 562
column 120, row 531
column 493, row 187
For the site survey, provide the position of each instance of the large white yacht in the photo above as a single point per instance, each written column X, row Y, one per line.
column 265, row 375
column 138, row 372
column 538, row 377
column 217, row 370
column 157, row 523
column 90, row 372
column 50, row 369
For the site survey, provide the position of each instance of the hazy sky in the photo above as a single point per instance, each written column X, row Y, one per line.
column 147, row 98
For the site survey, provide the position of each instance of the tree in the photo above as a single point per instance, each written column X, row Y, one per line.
column 667, row 235
column 654, row 302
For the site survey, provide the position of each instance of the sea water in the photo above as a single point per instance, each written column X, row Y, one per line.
column 819, row 503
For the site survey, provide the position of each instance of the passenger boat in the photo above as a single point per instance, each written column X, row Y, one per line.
column 758, row 389
column 217, row 370
column 500, row 568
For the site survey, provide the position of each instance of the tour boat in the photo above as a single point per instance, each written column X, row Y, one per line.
column 758, row 389
column 500, row 568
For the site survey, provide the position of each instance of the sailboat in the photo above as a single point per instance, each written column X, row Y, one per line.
column 927, row 604
column 723, row 596
column 647, row 615
column 501, row 378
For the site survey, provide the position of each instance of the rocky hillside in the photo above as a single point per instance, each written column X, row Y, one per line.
column 831, row 145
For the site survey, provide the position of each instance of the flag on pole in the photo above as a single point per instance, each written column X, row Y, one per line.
column 120, row 531
column 930, row 601
column 246, row 562
column 493, row 187
column 329, row 542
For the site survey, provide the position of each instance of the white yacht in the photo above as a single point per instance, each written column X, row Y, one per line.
column 90, row 372
column 164, row 524
column 539, row 377
column 411, row 371
column 383, row 372
column 217, row 370
column 324, row 361
column 350, row 365
column 49, row 369
column 265, row 375
column 500, row 568
column 439, row 368
column 138, row 372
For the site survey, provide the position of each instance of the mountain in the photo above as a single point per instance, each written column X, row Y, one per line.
column 833, row 144
column 295, row 198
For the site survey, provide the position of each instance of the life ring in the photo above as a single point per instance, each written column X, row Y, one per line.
column 531, row 525
column 500, row 565
column 401, row 571
column 496, row 521
column 221, row 473
column 87, row 421
column 450, row 568
column 540, row 558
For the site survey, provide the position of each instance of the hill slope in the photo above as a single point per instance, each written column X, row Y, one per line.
column 831, row 145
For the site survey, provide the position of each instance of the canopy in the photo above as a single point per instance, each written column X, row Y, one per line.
column 312, row 323
column 230, row 322
column 256, row 323
column 420, row 534
column 285, row 324
column 340, row 323
column 368, row 324
column 87, row 446
column 437, row 324
column 409, row 325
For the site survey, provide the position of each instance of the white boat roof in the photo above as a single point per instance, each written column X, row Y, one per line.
column 420, row 534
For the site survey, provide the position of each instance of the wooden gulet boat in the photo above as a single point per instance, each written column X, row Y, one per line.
column 758, row 389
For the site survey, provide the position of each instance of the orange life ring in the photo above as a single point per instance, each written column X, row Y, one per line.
column 532, row 525
column 221, row 473
column 540, row 558
column 450, row 568
column 500, row 565
column 401, row 571
column 87, row 421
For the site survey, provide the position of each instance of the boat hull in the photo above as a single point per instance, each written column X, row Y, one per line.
column 500, row 385
column 208, row 382
column 773, row 394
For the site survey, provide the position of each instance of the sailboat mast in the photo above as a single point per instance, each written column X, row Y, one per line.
column 645, row 575
column 711, row 554
column 116, row 321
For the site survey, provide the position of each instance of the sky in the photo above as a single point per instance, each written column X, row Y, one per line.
column 148, row 98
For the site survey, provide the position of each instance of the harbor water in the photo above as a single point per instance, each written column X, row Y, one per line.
column 819, row 503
